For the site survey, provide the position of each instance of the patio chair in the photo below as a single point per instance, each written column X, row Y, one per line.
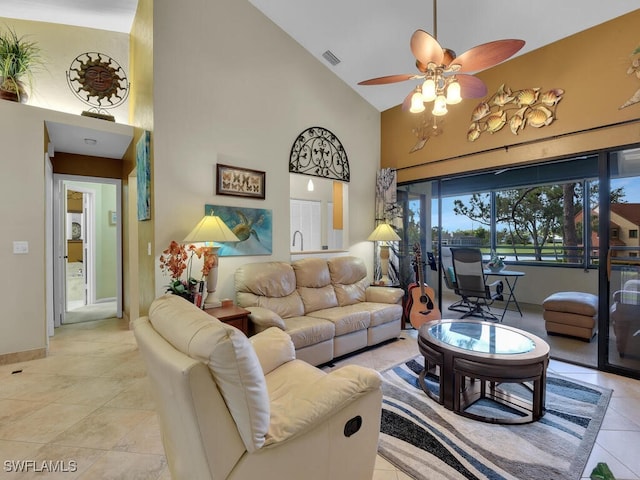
column 471, row 283
column 449, row 277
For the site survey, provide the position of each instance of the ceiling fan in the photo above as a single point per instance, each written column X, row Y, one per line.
column 445, row 75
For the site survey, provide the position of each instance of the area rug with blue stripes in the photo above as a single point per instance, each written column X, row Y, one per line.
column 427, row 441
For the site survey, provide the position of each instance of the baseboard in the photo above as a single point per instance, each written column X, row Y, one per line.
column 17, row 357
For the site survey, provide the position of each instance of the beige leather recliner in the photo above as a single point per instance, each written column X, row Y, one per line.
column 235, row 408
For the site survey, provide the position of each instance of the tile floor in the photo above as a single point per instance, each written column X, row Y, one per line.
column 88, row 402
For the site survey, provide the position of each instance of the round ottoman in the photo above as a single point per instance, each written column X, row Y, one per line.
column 571, row 313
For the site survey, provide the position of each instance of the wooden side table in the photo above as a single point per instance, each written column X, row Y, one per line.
column 235, row 316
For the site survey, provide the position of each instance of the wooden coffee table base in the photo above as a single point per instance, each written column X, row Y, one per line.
column 474, row 381
column 465, row 377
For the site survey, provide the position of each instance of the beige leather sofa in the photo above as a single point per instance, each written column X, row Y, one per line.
column 231, row 407
column 326, row 306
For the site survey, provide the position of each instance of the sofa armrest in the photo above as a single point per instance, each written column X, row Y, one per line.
column 384, row 294
column 273, row 348
column 263, row 318
column 309, row 405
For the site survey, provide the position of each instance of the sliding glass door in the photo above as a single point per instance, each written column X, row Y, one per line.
column 620, row 285
column 570, row 225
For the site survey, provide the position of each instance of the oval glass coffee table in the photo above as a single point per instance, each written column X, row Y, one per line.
column 484, row 370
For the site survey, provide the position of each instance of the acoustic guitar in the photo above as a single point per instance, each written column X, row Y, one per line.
column 421, row 306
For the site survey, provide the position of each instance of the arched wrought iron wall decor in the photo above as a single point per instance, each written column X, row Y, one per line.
column 319, row 153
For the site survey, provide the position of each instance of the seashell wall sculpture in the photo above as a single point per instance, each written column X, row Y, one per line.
column 634, row 69
column 517, row 109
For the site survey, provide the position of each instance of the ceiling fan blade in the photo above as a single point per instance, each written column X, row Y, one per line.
column 389, row 79
column 486, row 55
column 471, row 87
column 425, row 48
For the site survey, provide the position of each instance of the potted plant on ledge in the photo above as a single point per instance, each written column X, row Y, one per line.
column 18, row 59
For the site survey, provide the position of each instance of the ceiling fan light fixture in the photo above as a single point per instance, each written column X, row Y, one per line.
column 453, row 92
column 429, row 90
column 417, row 102
column 439, row 106
column 446, row 77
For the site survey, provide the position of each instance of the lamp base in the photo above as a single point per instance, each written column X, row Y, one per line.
column 212, row 302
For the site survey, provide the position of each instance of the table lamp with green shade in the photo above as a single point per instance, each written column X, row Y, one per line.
column 211, row 229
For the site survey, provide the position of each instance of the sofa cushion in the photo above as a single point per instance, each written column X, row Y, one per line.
column 349, row 279
column 381, row 313
column 314, row 284
column 349, row 294
column 347, row 319
column 311, row 272
column 305, row 330
column 230, row 357
column 346, row 270
column 268, row 279
column 270, row 285
column 297, row 386
column 317, row 298
column 285, row 307
column 273, row 348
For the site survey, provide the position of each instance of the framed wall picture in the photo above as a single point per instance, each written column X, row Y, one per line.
column 252, row 226
column 143, row 163
column 239, row 182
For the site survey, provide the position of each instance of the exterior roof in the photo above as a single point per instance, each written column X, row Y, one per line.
column 628, row 211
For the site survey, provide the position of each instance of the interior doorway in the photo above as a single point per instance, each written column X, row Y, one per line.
column 87, row 241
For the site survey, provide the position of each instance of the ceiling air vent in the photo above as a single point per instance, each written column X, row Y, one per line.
column 331, row 58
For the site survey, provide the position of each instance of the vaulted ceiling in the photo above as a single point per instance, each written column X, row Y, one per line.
column 370, row 37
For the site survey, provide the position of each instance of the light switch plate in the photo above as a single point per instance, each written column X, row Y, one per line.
column 20, row 247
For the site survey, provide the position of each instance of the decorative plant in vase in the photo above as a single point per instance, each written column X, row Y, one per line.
column 18, row 60
column 177, row 259
column 496, row 263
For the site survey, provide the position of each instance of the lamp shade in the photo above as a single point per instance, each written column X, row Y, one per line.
column 384, row 233
column 211, row 229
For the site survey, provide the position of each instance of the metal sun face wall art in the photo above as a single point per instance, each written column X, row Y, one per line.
column 99, row 81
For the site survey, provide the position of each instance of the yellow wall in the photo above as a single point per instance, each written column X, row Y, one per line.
column 139, row 265
column 60, row 45
column 590, row 66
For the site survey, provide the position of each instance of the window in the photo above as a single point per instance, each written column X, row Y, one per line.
column 306, row 219
column 533, row 214
column 633, row 233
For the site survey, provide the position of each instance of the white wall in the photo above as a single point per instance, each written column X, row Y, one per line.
column 243, row 91
column 540, row 282
column 22, row 213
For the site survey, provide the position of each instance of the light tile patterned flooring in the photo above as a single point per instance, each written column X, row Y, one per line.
column 89, row 402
